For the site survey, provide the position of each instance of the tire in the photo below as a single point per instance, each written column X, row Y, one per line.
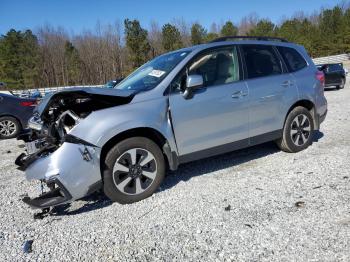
column 129, row 179
column 342, row 85
column 9, row 127
column 297, row 131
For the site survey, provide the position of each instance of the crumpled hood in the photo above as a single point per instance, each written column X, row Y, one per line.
column 83, row 92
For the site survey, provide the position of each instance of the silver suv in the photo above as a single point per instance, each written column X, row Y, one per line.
column 182, row 106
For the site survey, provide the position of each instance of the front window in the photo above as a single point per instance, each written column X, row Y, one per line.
column 152, row 73
column 217, row 67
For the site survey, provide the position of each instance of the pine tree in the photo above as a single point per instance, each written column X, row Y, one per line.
column 73, row 63
column 229, row 29
column 171, row 38
column 136, row 42
column 211, row 36
column 19, row 59
column 198, row 34
column 263, row 28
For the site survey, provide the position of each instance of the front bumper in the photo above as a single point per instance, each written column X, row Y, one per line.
column 74, row 168
column 56, row 196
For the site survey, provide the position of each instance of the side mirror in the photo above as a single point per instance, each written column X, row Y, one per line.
column 192, row 82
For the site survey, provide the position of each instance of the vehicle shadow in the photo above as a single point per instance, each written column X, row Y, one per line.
column 92, row 202
column 232, row 159
column 327, row 89
column 184, row 173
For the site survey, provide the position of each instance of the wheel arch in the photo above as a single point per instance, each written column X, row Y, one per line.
column 309, row 105
column 15, row 117
column 150, row 133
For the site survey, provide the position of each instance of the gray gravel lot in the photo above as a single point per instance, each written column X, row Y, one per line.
column 236, row 207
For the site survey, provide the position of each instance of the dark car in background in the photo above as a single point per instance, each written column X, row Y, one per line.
column 113, row 83
column 14, row 114
column 334, row 75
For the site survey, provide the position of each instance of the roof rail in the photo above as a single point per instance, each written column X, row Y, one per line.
column 260, row 38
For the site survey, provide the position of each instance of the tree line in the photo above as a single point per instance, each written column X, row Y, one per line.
column 53, row 57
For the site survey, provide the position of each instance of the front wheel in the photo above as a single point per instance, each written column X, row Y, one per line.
column 135, row 169
column 297, row 131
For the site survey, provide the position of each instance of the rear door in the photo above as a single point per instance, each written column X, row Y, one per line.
column 331, row 74
column 334, row 73
column 217, row 115
column 271, row 90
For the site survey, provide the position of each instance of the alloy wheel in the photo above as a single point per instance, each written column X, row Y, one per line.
column 300, row 130
column 134, row 171
column 7, row 128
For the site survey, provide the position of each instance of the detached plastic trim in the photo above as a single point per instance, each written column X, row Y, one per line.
column 54, row 197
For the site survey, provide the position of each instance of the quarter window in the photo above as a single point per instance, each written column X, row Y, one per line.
column 261, row 60
column 292, row 58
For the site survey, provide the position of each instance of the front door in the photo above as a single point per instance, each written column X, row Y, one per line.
column 217, row 115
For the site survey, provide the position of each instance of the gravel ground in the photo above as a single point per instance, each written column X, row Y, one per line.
column 257, row 204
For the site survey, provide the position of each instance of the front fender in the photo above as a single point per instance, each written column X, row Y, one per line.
column 100, row 126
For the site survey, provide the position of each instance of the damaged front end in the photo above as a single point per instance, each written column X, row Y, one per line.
column 68, row 165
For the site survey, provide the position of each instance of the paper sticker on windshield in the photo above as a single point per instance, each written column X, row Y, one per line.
column 156, row 73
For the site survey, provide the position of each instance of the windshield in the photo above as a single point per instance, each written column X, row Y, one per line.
column 152, row 73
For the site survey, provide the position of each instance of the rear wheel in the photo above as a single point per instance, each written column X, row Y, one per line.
column 298, row 130
column 135, row 169
column 9, row 127
column 342, row 84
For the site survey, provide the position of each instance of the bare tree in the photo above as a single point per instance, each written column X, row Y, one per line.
column 185, row 30
column 248, row 23
column 101, row 53
column 155, row 38
column 52, row 46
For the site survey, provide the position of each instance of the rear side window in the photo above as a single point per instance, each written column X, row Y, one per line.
column 292, row 58
column 335, row 67
column 261, row 60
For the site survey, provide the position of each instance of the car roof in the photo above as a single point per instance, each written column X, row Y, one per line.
column 6, row 95
column 245, row 42
column 16, row 97
column 237, row 42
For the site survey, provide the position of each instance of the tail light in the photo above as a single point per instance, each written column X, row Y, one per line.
column 28, row 103
column 320, row 77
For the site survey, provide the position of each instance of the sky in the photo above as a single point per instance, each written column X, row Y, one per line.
column 79, row 15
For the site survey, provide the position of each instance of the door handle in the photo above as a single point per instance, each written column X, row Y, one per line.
column 238, row 94
column 286, row 83
column 267, row 97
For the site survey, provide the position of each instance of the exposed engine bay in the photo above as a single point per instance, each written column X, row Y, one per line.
column 49, row 130
column 54, row 118
column 61, row 112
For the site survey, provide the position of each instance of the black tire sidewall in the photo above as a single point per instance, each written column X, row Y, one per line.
column 287, row 129
column 15, row 121
column 111, row 190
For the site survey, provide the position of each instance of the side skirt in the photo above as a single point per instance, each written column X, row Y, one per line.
column 222, row 149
